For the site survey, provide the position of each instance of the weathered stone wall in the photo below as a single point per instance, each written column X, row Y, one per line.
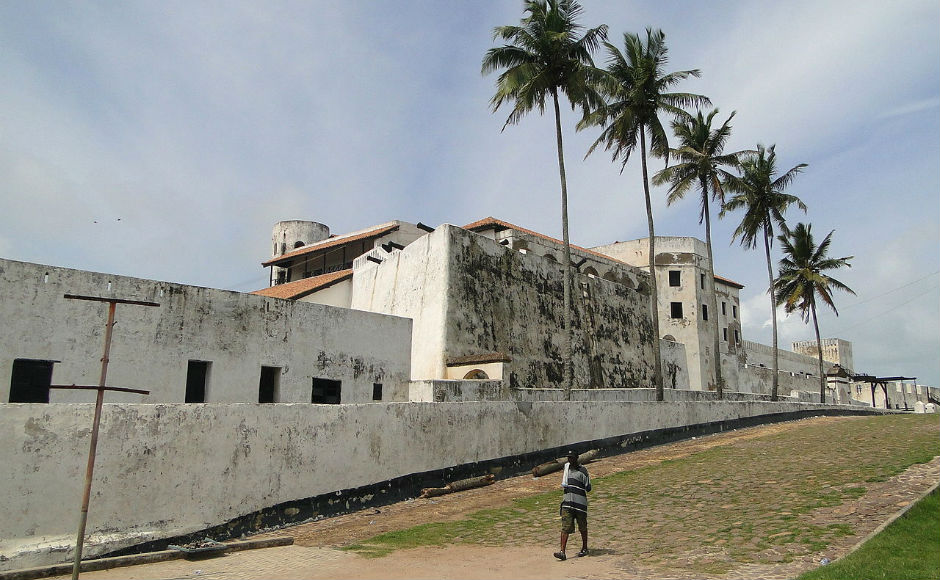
column 171, row 469
column 151, row 346
column 500, row 300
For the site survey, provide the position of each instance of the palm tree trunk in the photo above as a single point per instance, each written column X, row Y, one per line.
column 719, row 381
column 654, row 295
column 822, row 374
column 567, row 369
column 773, row 313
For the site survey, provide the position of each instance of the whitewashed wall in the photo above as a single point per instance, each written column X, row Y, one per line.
column 151, row 346
column 171, row 469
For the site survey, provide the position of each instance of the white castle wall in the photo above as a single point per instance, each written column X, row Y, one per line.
column 151, row 346
column 170, row 469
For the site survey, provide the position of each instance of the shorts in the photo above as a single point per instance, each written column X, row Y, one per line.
column 569, row 516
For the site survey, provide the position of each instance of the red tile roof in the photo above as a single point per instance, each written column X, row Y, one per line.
column 331, row 242
column 488, row 222
column 300, row 288
column 728, row 282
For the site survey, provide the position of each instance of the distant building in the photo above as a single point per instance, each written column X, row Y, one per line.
column 834, row 350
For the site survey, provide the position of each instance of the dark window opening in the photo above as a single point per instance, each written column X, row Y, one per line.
column 675, row 278
column 702, row 280
column 476, row 375
column 197, row 381
column 734, row 311
column 298, row 244
column 737, row 337
column 704, row 312
column 326, row 392
column 268, row 385
column 376, row 391
column 724, row 334
column 30, row 381
column 675, row 309
column 724, row 310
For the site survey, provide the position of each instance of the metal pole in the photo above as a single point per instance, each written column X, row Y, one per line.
column 89, row 470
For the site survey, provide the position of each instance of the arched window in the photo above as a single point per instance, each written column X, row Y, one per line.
column 477, row 375
column 590, row 271
column 298, row 244
column 670, row 338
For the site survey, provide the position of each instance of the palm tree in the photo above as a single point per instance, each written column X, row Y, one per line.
column 700, row 159
column 803, row 278
column 544, row 57
column 760, row 194
column 636, row 88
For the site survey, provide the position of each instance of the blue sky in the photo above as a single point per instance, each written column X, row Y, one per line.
column 164, row 139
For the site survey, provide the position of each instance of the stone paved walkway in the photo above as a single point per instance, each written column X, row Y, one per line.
column 725, row 506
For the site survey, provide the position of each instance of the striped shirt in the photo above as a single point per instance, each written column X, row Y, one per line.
column 575, row 482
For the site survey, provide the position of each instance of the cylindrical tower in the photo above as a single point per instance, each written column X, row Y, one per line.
column 289, row 235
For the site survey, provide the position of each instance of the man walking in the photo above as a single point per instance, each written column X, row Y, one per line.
column 575, row 482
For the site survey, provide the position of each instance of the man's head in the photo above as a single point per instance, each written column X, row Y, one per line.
column 572, row 457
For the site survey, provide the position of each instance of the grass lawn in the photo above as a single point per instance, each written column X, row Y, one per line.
column 908, row 549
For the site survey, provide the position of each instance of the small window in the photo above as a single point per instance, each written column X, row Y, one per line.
column 724, row 310
column 298, row 244
column 376, row 391
column 30, row 381
column 675, row 309
column 734, row 311
column 269, row 384
column 737, row 337
column 477, row 375
column 326, row 392
column 197, row 381
column 704, row 311
column 675, row 278
column 701, row 279
column 724, row 334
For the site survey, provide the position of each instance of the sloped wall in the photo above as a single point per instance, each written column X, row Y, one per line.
column 172, row 469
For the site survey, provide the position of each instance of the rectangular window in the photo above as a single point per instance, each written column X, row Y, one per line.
column 704, row 312
column 737, row 337
column 724, row 311
column 197, row 381
column 376, row 391
column 30, row 380
column 674, row 278
column 734, row 311
column 675, row 309
column 269, row 385
column 724, row 334
column 326, row 392
column 701, row 279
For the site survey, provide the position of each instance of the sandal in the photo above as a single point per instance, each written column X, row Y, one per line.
column 583, row 552
column 560, row 555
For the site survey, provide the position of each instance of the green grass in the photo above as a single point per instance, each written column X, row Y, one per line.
column 908, row 549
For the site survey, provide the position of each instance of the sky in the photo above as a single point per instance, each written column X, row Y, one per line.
column 164, row 140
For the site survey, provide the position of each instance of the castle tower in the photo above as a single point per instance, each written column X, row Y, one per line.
column 289, row 235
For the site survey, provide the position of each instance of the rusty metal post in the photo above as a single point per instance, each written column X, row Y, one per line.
column 90, row 468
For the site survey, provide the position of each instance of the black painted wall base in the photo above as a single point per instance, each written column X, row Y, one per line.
column 410, row 486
